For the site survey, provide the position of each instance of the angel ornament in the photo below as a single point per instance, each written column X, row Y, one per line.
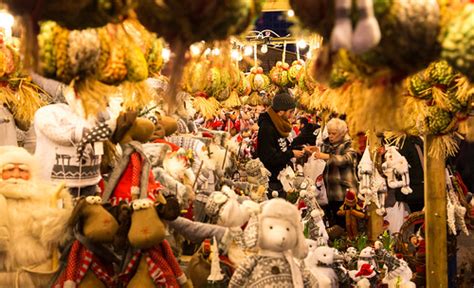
column 372, row 185
column 395, row 168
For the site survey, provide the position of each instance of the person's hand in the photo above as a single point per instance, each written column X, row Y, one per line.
column 298, row 153
column 310, row 149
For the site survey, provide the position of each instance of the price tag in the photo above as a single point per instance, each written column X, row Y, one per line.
column 98, row 148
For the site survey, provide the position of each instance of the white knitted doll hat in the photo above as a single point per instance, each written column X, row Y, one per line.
column 18, row 155
column 282, row 209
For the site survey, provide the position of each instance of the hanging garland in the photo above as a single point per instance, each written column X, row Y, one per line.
column 114, row 59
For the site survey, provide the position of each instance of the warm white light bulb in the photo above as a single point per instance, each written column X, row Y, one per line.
column 290, row 13
column 207, row 51
column 302, row 44
column 248, row 50
column 309, row 54
column 195, row 50
column 166, row 54
column 264, row 48
column 235, row 54
column 216, row 51
column 6, row 22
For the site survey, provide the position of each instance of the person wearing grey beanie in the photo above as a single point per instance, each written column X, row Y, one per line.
column 273, row 147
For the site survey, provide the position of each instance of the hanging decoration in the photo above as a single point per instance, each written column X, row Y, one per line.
column 17, row 92
column 114, row 59
column 183, row 22
column 458, row 45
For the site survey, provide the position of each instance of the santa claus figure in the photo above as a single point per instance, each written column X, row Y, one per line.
column 33, row 218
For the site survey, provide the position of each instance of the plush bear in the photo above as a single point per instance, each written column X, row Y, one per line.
column 279, row 237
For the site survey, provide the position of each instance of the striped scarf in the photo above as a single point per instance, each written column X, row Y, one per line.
column 79, row 261
column 163, row 268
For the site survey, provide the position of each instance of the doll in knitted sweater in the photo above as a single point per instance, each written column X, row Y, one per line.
column 279, row 238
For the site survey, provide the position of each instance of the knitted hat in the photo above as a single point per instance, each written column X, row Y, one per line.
column 283, row 102
column 350, row 198
column 281, row 209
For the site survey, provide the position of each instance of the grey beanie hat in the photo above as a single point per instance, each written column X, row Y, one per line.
column 283, row 102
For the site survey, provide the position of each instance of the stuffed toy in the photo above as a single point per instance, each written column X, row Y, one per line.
column 353, row 214
column 87, row 261
column 397, row 273
column 132, row 177
column 151, row 261
column 395, row 167
column 350, row 257
column 367, row 31
column 321, row 262
column 366, row 273
column 279, row 238
column 33, row 221
column 372, row 186
column 314, row 218
column 225, row 210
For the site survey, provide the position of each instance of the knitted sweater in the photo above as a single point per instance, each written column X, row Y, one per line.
column 58, row 130
column 263, row 272
column 7, row 127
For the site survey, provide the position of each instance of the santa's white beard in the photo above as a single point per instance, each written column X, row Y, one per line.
column 18, row 188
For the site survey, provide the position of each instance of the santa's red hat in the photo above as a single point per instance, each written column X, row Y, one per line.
column 366, row 271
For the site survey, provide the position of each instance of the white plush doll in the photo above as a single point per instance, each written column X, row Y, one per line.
column 372, row 185
column 367, row 31
column 398, row 274
column 286, row 177
column 317, row 229
column 280, row 239
column 366, row 268
column 226, row 211
column 351, row 254
column 320, row 262
column 365, row 172
column 396, row 165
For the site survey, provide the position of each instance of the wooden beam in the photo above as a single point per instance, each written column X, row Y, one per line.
column 435, row 219
column 276, row 5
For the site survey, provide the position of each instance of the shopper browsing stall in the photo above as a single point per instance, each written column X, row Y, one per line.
column 274, row 149
column 341, row 158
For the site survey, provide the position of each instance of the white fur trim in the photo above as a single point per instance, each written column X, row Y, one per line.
column 18, row 155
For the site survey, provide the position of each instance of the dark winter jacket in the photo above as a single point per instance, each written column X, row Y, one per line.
column 415, row 171
column 306, row 137
column 339, row 173
column 273, row 150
